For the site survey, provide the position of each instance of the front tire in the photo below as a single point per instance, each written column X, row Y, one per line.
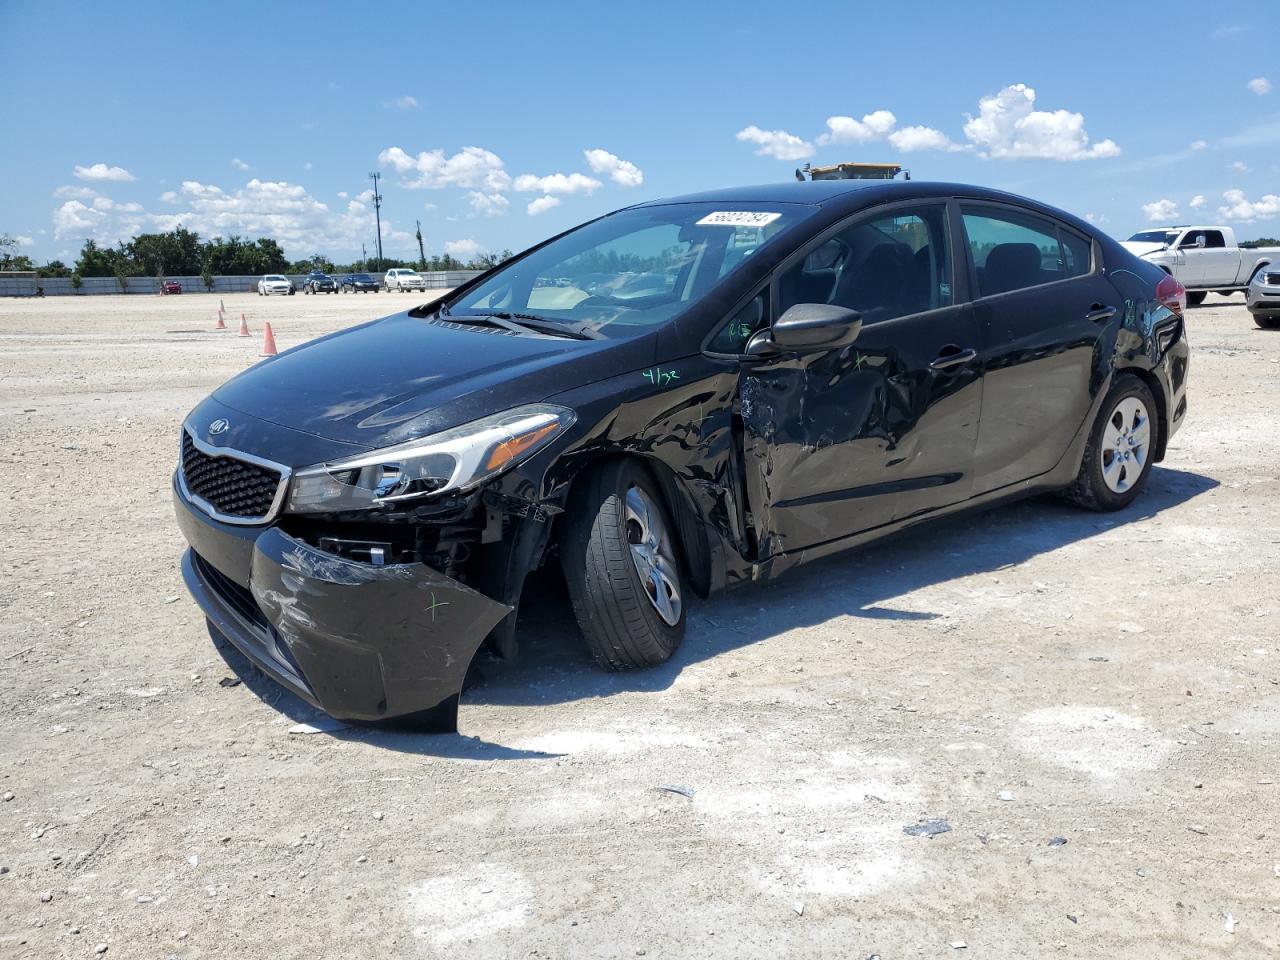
column 622, row 568
column 1118, row 458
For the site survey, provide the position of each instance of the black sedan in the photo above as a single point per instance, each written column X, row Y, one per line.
column 677, row 398
column 319, row 282
column 360, row 283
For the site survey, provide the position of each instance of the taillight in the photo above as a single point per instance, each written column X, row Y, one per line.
column 1171, row 293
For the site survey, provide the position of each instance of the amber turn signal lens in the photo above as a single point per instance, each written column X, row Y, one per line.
column 508, row 450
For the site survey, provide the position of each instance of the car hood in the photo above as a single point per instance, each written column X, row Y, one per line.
column 404, row 377
column 1142, row 248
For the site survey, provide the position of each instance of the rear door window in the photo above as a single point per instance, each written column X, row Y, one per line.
column 1013, row 250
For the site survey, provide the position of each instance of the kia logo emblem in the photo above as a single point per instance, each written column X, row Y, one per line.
column 218, row 426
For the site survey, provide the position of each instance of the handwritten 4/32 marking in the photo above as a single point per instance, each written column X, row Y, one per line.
column 659, row 377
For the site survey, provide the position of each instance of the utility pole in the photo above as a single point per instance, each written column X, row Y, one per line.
column 363, row 257
column 377, row 212
column 422, row 253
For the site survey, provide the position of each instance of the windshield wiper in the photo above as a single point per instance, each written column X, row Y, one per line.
column 531, row 321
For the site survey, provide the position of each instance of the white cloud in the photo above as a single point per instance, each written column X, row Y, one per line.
column 168, row 197
column 1097, row 219
column 405, row 103
column 470, row 168
column 776, row 143
column 24, row 241
column 556, row 183
column 1238, row 207
column 342, row 194
column 1160, row 210
column 239, row 164
column 1008, row 127
column 71, row 191
column 102, row 172
column 622, row 172
column 1260, row 85
column 193, row 188
column 463, row 249
column 1197, row 202
column 874, row 126
column 1239, row 167
column 921, row 138
column 1199, row 144
column 489, row 204
column 74, row 218
column 106, row 203
column 542, row 205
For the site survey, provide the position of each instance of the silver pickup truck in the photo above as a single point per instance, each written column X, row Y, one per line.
column 1202, row 258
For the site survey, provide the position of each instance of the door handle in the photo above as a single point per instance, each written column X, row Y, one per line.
column 1100, row 313
column 952, row 356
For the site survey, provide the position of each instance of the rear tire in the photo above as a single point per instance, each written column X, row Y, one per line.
column 1195, row 297
column 1117, row 460
column 620, row 527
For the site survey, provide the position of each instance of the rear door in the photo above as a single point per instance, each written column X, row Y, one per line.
column 1044, row 311
column 1221, row 263
column 843, row 441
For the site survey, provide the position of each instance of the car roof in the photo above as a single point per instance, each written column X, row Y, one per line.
column 848, row 196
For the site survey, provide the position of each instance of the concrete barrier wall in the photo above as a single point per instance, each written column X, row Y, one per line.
column 25, row 286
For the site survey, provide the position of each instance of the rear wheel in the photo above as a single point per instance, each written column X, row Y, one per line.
column 1195, row 297
column 622, row 568
column 1117, row 460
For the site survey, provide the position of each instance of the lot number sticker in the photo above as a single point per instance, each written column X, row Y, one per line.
column 737, row 218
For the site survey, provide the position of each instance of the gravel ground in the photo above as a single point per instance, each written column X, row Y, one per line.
column 1027, row 674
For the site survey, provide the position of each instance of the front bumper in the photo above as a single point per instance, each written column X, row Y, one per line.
column 359, row 641
column 1264, row 301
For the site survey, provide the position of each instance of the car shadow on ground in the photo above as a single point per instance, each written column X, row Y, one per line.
column 554, row 665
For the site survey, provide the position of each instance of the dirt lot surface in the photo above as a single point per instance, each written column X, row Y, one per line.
column 1028, row 674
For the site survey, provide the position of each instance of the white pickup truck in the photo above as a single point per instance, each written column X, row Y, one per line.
column 1202, row 258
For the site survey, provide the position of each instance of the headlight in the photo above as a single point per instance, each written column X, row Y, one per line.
column 456, row 459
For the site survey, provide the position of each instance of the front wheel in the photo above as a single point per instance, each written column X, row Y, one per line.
column 622, row 568
column 1266, row 322
column 1117, row 460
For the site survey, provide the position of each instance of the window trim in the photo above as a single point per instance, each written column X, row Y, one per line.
column 1095, row 249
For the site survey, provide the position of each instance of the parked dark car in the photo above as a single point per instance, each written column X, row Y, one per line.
column 777, row 374
column 170, row 286
column 361, row 283
column 319, row 282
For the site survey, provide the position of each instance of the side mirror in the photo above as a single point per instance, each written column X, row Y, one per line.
column 812, row 327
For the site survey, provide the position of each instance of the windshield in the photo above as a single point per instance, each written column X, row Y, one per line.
column 363, row 276
column 275, row 276
column 634, row 269
column 1155, row 236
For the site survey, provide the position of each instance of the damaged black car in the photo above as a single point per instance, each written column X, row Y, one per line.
column 676, row 398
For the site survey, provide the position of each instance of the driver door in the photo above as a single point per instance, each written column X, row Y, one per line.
column 844, row 441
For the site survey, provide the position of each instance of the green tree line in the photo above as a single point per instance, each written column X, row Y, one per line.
column 181, row 253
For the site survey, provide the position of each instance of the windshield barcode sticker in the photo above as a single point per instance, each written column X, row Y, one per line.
column 737, row 218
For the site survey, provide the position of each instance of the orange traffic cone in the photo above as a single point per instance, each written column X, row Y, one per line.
column 244, row 327
column 268, row 341
column 221, row 324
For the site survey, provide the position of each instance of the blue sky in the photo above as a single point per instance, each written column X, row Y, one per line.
column 498, row 124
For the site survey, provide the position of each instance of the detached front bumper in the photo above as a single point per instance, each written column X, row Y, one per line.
column 359, row 641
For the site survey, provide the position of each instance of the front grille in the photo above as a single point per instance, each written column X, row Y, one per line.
column 231, row 486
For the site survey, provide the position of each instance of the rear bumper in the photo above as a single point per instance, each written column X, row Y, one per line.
column 359, row 641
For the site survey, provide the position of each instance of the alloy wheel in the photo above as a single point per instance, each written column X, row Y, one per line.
column 653, row 553
column 1126, row 444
